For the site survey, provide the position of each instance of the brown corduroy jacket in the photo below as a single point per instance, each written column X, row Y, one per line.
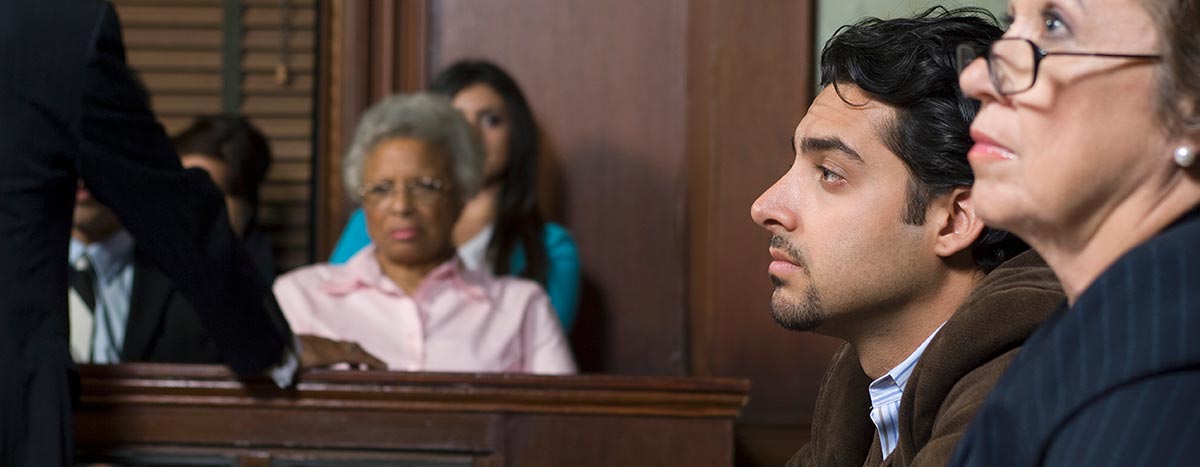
column 949, row 383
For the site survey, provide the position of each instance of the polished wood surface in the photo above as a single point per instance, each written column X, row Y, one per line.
column 503, row 419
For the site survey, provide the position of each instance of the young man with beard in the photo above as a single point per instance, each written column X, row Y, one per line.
column 875, row 241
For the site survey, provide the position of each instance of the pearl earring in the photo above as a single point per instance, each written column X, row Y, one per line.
column 1184, row 156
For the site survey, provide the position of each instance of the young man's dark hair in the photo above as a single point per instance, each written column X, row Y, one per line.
column 909, row 64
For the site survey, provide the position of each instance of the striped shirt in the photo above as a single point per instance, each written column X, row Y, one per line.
column 885, row 397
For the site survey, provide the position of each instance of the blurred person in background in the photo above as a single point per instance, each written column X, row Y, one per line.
column 407, row 301
column 501, row 229
column 122, row 308
column 237, row 156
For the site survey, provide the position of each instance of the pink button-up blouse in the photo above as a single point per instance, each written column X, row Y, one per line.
column 457, row 320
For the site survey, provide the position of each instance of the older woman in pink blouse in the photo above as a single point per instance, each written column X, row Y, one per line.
column 406, row 301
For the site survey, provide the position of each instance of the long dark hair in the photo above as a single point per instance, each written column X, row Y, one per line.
column 518, row 218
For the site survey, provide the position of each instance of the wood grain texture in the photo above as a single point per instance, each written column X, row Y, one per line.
column 751, row 85
column 140, row 410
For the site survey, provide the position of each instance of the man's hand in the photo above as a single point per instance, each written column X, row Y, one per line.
column 322, row 352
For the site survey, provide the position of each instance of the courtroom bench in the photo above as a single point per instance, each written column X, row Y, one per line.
column 200, row 415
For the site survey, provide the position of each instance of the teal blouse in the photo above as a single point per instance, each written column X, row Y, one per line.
column 562, row 275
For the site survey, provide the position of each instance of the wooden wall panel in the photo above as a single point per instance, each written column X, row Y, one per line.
column 607, row 82
column 750, row 72
column 751, row 87
column 371, row 49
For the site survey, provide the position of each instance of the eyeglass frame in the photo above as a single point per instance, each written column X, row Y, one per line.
column 1039, row 54
column 436, row 188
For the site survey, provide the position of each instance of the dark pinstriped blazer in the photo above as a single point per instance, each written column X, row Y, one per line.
column 1112, row 381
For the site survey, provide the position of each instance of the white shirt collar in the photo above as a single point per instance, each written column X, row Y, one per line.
column 474, row 251
column 107, row 256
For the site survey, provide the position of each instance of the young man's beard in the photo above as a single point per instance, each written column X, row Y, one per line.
column 806, row 314
column 803, row 315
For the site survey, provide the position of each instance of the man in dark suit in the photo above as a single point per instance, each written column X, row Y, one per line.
column 69, row 108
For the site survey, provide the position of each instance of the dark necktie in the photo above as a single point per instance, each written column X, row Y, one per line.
column 83, row 280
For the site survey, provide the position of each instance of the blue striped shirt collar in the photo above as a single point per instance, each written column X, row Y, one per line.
column 886, row 392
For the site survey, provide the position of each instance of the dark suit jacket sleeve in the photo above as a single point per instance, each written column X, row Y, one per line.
column 177, row 216
column 1154, row 421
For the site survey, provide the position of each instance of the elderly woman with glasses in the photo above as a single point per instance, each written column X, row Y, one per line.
column 1085, row 146
column 406, row 302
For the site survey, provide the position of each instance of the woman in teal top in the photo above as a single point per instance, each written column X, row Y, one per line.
column 500, row 224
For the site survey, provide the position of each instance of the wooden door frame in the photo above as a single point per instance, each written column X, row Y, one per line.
column 368, row 50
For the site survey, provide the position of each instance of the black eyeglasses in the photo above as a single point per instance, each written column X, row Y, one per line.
column 1013, row 62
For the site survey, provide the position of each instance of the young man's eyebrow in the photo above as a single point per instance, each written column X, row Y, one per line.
column 831, row 143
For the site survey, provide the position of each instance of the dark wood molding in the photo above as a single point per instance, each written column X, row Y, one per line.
column 413, row 44
column 700, row 164
column 325, row 133
column 205, row 385
column 375, row 48
column 154, row 411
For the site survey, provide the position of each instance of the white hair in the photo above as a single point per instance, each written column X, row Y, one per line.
column 425, row 117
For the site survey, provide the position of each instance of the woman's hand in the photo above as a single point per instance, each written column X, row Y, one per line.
column 321, row 352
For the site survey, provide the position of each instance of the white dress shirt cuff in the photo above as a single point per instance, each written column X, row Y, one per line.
column 284, row 374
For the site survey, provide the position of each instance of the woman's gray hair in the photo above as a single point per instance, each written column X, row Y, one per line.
column 425, row 117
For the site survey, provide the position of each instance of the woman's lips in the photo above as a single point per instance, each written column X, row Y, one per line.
column 404, row 234
column 983, row 152
column 986, row 149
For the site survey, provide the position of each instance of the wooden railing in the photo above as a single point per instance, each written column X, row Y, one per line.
column 192, row 415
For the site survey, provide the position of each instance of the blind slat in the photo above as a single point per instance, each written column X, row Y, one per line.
column 289, row 192
column 138, row 37
column 262, row 81
column 298, row 39
column 259, row 16
column 176, row 48
column 287, row 171
column 260, row 61
column 282, row 128
column 183, row 82
column 179, row 60
column 176, row 105
column 292, row 150
column 138, row 16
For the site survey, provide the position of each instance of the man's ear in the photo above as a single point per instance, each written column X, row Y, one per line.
column 957, row 224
